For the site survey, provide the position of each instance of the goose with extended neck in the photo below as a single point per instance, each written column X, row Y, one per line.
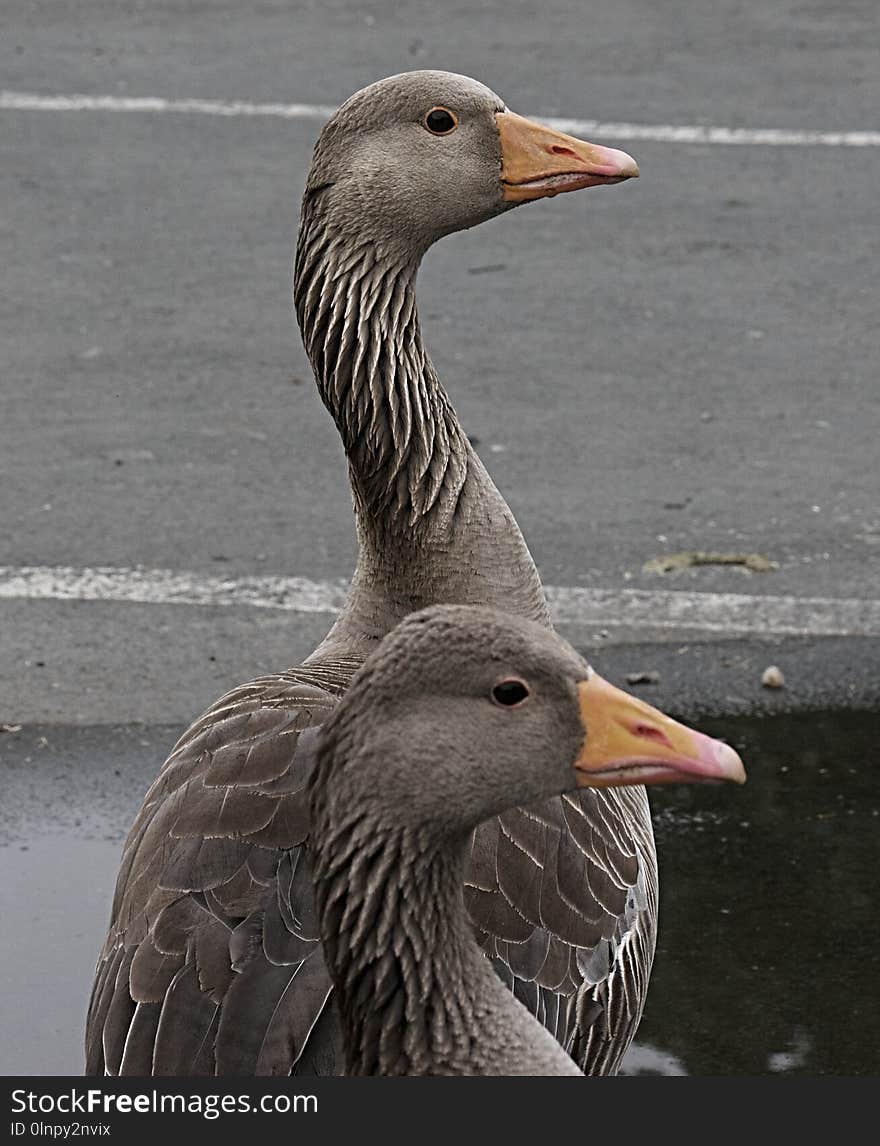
column 212, row 962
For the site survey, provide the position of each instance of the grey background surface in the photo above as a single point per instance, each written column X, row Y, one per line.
column 684, row 361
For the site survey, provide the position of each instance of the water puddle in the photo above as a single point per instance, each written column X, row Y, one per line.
column 57, row 889
column 767, row 959
column 769, row 948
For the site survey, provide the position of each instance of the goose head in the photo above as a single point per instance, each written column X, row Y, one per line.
column 464, row 711
column 419, row 155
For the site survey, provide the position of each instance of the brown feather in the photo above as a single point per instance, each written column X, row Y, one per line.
column 141, row 1039
column 151, row 972
column 186, row 1029
column 197, row 864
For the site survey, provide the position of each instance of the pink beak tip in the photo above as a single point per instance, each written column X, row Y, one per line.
column 730, row 766
column 617, row 164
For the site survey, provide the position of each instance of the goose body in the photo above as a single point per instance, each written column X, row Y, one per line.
column 460, row 714
column 212, row 962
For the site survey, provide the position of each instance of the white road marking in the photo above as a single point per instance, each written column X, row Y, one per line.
column 602, row 608
column 658, row 132
column 28, row 101
column 167, row 587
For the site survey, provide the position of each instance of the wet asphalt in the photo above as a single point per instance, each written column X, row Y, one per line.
column 757, row 887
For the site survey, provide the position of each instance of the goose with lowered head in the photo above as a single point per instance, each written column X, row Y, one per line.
column 212, row 962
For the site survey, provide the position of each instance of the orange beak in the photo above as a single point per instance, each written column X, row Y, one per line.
column 629, row 742
column 538, row 162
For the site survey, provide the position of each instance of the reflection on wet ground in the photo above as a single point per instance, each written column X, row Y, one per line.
column 769, row 947
column 58, row 889
column 767, row 960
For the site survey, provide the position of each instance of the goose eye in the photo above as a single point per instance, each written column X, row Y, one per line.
column 440, row 121
column 508, row 693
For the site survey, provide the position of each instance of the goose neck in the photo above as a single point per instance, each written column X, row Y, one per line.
column 408, row 974
column 356, row 306
column 431, row 525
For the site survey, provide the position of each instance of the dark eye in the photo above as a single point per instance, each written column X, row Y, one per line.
column 509, row 693
column 440, row 121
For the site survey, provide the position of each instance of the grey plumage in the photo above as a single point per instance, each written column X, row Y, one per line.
column 205, row 922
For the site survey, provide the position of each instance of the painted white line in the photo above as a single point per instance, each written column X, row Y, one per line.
column 658, row 132
column 716, row 612
column 166, row 587
column 27, row 101
column 602, row 608
column 697, row 133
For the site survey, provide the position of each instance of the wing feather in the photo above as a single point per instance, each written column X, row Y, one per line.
column 185, row 1034
column 137, row 1058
